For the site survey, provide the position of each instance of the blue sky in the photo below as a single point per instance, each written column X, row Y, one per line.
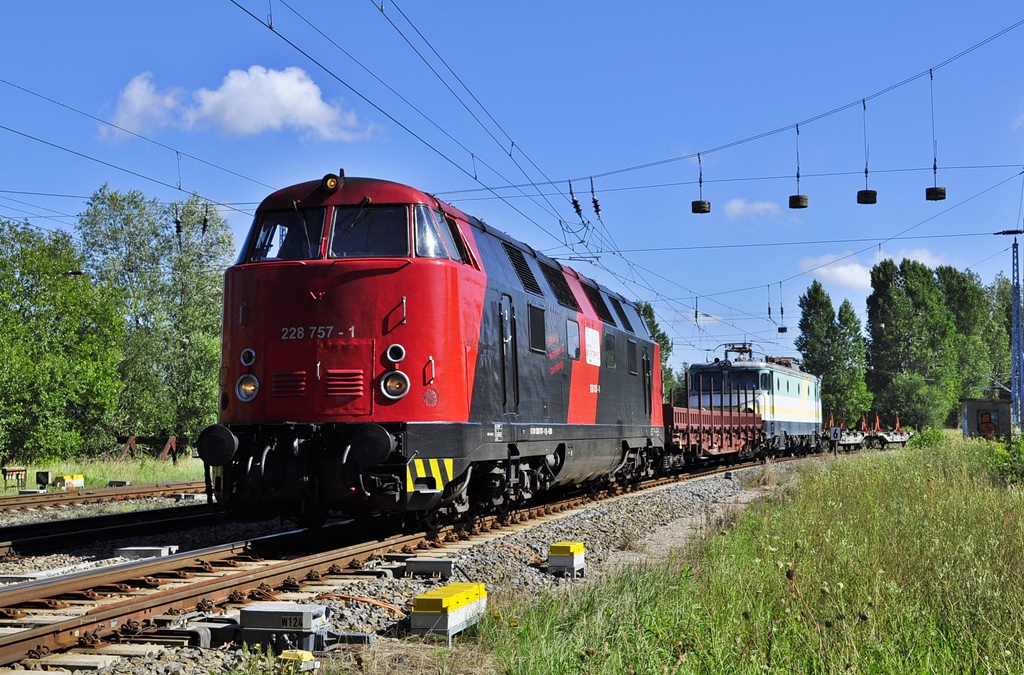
column 582, row 89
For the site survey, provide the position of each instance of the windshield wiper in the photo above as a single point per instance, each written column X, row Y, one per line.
column 305, row 228
column 363, row 211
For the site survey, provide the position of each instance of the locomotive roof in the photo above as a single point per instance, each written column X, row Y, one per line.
column 353, row 190
column 782, row 365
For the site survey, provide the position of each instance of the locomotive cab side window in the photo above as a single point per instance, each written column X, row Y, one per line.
column 452, row 238
column 537, row 331
column 631, row 357
column 461, row 248
column 766, row 381
column 609, row 350
column 289, row 235
column 572, row 339
column 370, row 232
column 429, row 242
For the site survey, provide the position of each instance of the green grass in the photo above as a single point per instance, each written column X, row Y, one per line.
column 893, row 562
column 138, row 471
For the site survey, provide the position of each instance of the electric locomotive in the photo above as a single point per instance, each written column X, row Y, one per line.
column 383, row 351
column 785, row 399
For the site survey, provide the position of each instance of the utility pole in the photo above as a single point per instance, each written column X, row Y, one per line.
column 1016, row 342
column 1017, row 345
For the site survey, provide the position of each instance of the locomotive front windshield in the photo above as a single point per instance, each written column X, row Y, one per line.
column 705, row 381
column 292, row 234
column 370, row 232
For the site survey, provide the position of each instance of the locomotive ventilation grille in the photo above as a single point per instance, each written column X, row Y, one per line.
column 622, row 314
column 345, row 382
column 523, row 271
column 290, row 383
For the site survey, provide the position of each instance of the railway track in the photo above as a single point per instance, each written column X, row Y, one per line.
column 59, row 534
column 123, row 602
column 99, row 495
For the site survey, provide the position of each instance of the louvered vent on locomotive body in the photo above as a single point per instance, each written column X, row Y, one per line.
column 345, row 383
column 594, row 295
column 518, row 260
column 617, row 306
column 289, row 383
column 556, row 279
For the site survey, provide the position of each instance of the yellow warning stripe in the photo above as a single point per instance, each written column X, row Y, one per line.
column 442, row 470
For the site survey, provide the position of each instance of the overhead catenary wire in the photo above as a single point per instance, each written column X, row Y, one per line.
column 390, row 117
column 406, row 101
column 379, row 109
column 861, row 101
column 879, row 242
column 602, row 233
column 143, row 176
column 459, row 98
column 180, row 153
column 605, row 236
column 517, row 149
column 675, row 184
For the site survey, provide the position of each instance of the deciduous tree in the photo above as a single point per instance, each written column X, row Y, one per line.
column 168, row 262
column 913, row 344
column 60, row 334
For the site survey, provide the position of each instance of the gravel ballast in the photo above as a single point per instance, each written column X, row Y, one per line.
column 620, row 530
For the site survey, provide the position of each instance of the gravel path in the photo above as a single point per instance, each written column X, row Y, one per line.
column 623, row 530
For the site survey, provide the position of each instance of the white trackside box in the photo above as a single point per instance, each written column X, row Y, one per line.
column 567, row 558
column 448, row 610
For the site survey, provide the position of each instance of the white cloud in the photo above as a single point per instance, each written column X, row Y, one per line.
column 846, row 271
column 248, row 102
column 142, row 108
column 921, row 255
column 838, row 270
column 257, row 100
column 736, row 208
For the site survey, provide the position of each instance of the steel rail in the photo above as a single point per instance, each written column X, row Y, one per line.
column 233, row 572
column 98, row 495
column 52, row 534
column 107, row 617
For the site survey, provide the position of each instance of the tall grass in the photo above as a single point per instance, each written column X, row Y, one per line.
column 898, row 562
column 138, row 471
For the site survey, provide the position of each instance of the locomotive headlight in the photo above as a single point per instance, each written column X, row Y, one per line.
column 330, row 182
column 394, row 385
column 247, row 387
column 248, row 357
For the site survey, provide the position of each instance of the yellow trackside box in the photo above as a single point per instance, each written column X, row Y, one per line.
column 303, row 660
column 70, row 482
column 566, row 548
column 448, row 610
column 567, row 558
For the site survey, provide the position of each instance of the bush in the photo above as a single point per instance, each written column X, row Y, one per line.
column 929, row 437
column 1006, row 461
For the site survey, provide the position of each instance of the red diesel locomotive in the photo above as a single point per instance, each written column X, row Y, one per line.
column 383, row 351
